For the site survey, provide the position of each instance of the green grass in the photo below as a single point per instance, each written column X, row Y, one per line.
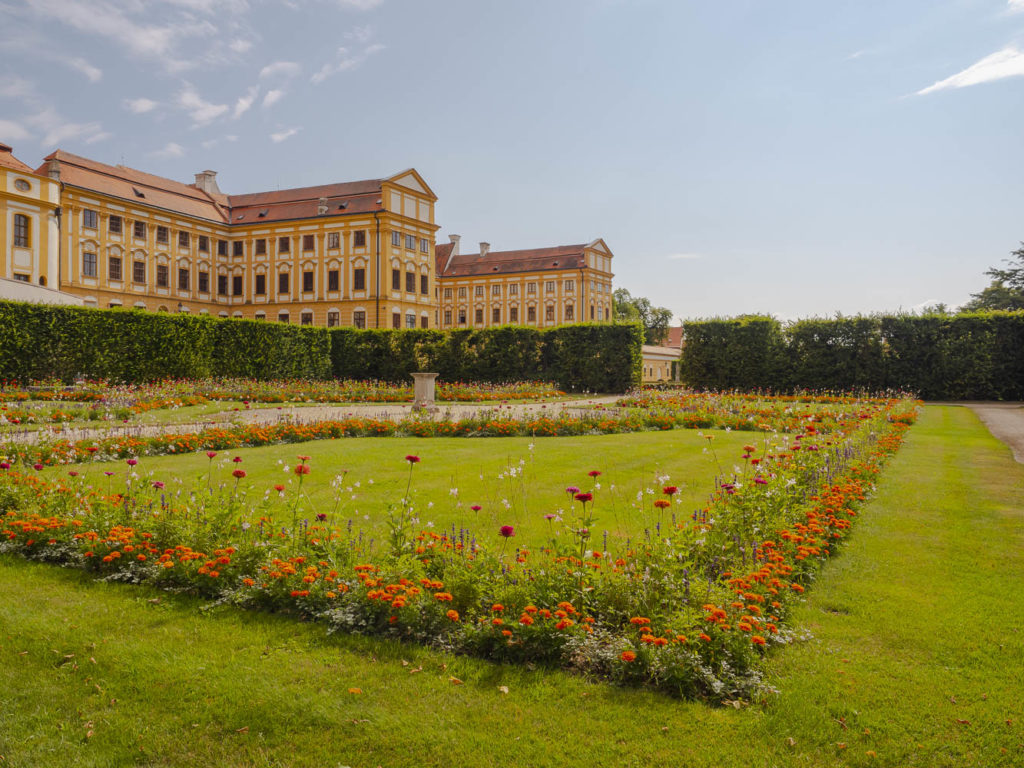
column 472, row 466
column 921, row 609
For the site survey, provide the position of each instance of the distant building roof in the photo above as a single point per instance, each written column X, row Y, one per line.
column 7, row 160
column 675, row 337
column 531, row 260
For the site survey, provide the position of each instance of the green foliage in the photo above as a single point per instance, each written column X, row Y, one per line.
column 636, row 309
column 584, row 357
column 1007, row 288
column 56, row 342
column 971, row 356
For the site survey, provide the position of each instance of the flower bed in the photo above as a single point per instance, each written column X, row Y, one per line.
column 690, row 607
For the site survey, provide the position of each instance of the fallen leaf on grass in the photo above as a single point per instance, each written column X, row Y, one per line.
column 243, row 729
column 503, row 688
column 355, row 690
column 415, row 670
column 963, row 722
column 454, row 681
column 791, row 741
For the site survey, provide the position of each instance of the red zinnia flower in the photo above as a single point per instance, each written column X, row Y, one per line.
column 670, row 490
column 209, row 454
column 237, row 459
column 594, row 473
column 302, row 469
column 279, row 488
column 412, row 459
column 238, row 473
column 584, row 497
column 507, row 531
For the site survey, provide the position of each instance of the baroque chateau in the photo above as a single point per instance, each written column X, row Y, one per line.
column 359, row 253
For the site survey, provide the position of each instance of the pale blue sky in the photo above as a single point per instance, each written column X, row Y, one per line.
column 795, row 157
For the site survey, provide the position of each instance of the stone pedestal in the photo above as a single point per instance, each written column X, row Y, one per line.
column 423, row 394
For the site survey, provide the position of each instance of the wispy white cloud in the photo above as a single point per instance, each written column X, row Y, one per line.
column 280, row 136
column 858, row 54
column 344, row 61
column 245, row 102
column 240, row 46
column 210, row 143
column 141, row 105
column 171, row 149
column 95, row 74
column 53, row 128
column 14, row 87
column 1015, row 6
column 360, row 5
column 200, row 110
column 102, row 136
column 1008, row 62
column 272, row 97
column 280, row 69
column 12, row 131
column 681, row 256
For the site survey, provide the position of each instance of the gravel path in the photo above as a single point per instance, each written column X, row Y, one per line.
column 1004, row 420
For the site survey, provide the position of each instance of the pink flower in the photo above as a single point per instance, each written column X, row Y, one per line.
column 37, row 467
column 73, row 473
column 237, row 459
column 476, row 507
column 412, row 459
column 594, row 473
column 157, row 484
column 5, row 465
column 210, row 454
column 572, row 489
column 507, row 531
column 132, row 462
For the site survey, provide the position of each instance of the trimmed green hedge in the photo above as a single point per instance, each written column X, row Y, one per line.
column 123, row 345
column 973, row 356
column 587, row 357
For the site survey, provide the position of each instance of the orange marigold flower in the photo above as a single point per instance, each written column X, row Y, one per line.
column 628, row 656
column 507, row 632
column 757, row 640
column 705, row 638
column 453, row 615
column 526, row 619
column 497, row 607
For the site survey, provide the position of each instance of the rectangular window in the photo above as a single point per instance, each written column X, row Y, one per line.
column 282, row 317
column 462, row 317
column 22, row 278
column 114, row 267
column 410, row 242
column 396, row 320
column 568, row 312
column 359, row 239
column 333, row 319
column 396, row 238
column 462, row 292
column 496, row 315
column 591, row 311
column 183, row 239
column 204, row 244
column 284, row 245
column 333, row 276
column 282, row 283
column 447, row 317
column 182, row 279
column 306, row 318
column 261, row 285
column 204, row 282
column 114, row 225
column 307, row 282
column 359, row 318
column 478, row 290
column 396, row 279
column 513, row 315
column 89, row 219
column 570, row 286
column 222, row 285
column 513, row 290
column 139, row 230
column 162, row 235
column 21, row 230
column 478, row 317
column 139, row 272
column 359, row 280
column 222, row 247
column 424, row 285
column 161, row 275
column 238, row 248
column 333, row 240
column 308, row 242
column 495, row 290
column 531, row 287
column 447, row 293
column 531, row 314
column 237, row 285
column 549, row 312
column 423, row 321
column 549, row 286
column 410, row 282
column 261, row 247
column 424, row 245
column 410, row 320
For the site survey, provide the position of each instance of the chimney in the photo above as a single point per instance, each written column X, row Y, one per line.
column 485, row 248
column 53, row 169
column 207, row 181
column 321, row 206
column 455, row 243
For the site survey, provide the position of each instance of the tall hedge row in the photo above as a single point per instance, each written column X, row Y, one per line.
column 585, row 357
column 123, row 345
column 976, row 356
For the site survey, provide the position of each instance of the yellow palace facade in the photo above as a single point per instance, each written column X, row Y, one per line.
column 359, row 254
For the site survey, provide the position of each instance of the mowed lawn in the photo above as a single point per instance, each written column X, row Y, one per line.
column 915, row 659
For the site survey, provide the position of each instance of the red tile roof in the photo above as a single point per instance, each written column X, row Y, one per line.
column 675, row 336
column 7, row 160
column 279, row 205
column 532, row 260
column 441, row 253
